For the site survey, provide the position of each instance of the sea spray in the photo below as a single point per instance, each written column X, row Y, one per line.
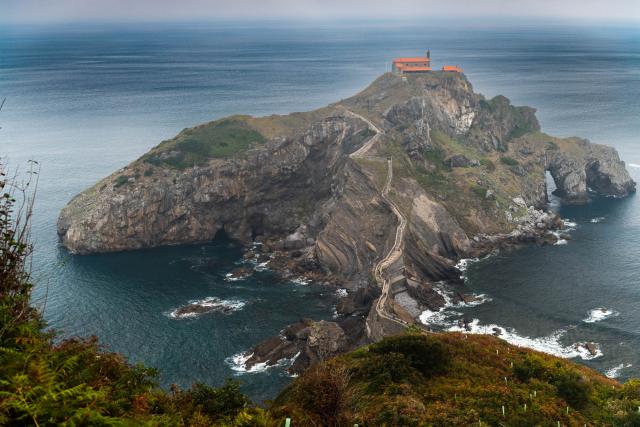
column 549, row 344
column 615, row 371
column 195, row 308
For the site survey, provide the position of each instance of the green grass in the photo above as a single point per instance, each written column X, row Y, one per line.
column 509, row 161
column 121, row 180
column 479, row 191
column 550, row 145
column 196, row 146
column 488, row 164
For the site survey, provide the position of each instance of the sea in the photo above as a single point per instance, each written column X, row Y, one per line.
column 86, row 99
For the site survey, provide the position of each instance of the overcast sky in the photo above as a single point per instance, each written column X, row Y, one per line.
column 184, row 10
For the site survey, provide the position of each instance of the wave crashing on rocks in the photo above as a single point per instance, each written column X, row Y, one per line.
column 549, row 344
column 238, row 363
column 207, row 305
column 599, row 314
column 615, row 371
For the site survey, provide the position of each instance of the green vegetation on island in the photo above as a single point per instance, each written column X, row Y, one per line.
column 195, row 146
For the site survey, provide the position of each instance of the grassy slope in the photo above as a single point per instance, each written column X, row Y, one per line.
column 453, row 379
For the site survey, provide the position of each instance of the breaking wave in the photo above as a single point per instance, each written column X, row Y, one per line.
column 300, row 281
column 443, row 316
column 600, row 313
column 597, row 219
column 238, row 363
column 549, row 344
column 195, row 308
column 464, row 263
column 634, row 165
column 568, row 226
column 615, row 371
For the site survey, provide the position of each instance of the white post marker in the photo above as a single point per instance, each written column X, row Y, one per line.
column 503, row 410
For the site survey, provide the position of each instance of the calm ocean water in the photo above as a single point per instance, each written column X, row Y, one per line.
column 85, row 101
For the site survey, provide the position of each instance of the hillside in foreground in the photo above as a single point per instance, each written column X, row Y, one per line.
column 452, row 379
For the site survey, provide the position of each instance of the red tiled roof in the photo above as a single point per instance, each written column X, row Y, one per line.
column 452, row 68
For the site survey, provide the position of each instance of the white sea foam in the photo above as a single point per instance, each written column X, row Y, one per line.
column 341, row 293
column 443, row 316
column 634, row 165
column 229, row 277
column 560, row 241
column 615, row 371
column 195, row 308
column 550, row 344
column 262, row 266
column 464, row 263
column 600, row 313
column 238, row 363
column 300, row 281
column 597, row 219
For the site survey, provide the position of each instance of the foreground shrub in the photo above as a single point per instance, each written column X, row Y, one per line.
column 425, row 354
column 323, row 394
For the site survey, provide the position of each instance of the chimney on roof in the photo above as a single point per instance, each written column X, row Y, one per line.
column 428, row 53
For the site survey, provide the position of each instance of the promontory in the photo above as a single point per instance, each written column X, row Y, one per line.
column 382, row 193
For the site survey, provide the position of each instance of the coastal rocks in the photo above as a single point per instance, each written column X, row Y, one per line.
column 497, row 122
column 358, row 302
column 208, row 305
column 598, row 168
column 306, row 343
column 458, row 161
column 424, row 294
column 239, row 273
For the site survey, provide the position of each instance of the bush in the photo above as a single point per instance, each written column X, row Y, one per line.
column 323, row 394
column 571, row 387
column 479, row 191
column 424, row 354
column 488, row 164
column 531, row 367
column 121, row 180
column 509, row 161
column 383, row 369
column 225, row 401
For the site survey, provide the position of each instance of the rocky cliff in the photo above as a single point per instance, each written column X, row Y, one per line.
column 466, row 173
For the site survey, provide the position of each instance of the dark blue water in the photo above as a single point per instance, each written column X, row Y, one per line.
column 85, row 101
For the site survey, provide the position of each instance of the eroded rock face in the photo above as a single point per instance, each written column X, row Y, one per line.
column 597, row 167
column 272, row 190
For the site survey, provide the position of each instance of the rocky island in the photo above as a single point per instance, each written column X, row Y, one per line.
column 381, row 194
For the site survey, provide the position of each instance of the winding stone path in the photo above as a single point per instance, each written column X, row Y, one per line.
column 395, row 252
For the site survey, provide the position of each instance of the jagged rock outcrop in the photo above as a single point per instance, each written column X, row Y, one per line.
column 597, row 167
column 468, row 175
